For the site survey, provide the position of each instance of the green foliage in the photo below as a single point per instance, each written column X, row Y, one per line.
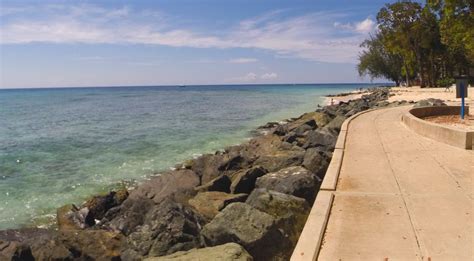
column 397, row 25
column 444, row 82
column 429, row 44
column 376, row 62
column 457, row 25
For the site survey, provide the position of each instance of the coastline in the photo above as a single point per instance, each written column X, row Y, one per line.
column 72, row 163
column 300, row 147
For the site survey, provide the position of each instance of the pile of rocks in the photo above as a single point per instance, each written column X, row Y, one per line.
column 248, row 202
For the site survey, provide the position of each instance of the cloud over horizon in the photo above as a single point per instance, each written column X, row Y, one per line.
column 243, row 60
column 313, row 36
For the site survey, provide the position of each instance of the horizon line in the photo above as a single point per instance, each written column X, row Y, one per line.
column 189, row 85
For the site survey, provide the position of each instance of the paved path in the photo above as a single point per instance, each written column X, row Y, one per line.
column 400, row 196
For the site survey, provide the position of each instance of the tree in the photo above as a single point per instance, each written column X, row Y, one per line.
column 429, row 47
column 456, row 22
column 430, row 43
column 397, row 28
column 376, row 62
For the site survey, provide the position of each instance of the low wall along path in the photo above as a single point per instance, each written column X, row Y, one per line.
column 399, row 196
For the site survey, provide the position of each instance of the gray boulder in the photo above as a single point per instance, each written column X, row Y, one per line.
column 70, row 217
column 255, row 230
column 244, row 181
column 290, row 137
column 321, row 138
column 302, row 129
column 43, row 244
column 97, row 206
column 11, row 250
column 221, row 183
column 289, row 211
column 226, row 252
column 167, row 228
column 206, row 166
column 281, row 130
column 94, row 209
column 336, row 123
column 316, row 161
column 211, row 166
column 163, row 185
column 126, row 217
column 314, row 119
column 208, row 204
column 279, row 159
column 430, row 102
column 296, row 181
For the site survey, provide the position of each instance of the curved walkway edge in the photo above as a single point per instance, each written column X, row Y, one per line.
column 391, row 194
column 311, row 237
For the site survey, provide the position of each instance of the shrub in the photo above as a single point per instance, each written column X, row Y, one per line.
column 444, row 82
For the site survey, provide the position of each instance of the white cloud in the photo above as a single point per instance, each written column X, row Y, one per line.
column 243, row 60
column 249, row 77
column 366, row 26
column 253, row 77
column 269, row 76
column 363, row 27
column 311, row 37
column 346, row 26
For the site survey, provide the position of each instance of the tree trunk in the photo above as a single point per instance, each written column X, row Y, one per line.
column 406, row 74
column 421, row 69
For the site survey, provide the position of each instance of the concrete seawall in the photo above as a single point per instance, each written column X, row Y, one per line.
column 392, row 195
column 309, row 243
column 449, row 135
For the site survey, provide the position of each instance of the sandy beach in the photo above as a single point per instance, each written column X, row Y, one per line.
column 414, row 93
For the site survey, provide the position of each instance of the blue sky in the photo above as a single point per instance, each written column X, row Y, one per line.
column 110, row 43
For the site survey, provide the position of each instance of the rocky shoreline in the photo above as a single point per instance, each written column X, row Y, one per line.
column 248, row 202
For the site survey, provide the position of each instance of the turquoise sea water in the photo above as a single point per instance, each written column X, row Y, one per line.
column 58, row 146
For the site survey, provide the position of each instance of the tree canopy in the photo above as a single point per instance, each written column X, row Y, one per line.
column 423, row 44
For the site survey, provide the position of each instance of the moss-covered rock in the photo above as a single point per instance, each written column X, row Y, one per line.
column 208, row 204
column 226, row 252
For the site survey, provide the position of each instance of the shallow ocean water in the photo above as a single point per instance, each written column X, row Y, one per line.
column 59, row 146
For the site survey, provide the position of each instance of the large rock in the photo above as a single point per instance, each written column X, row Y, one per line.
column 126, row 217
column 178, row 186
column 226, row 252
column 244, row 181
column 430, row 102
column 315, row 119
column 11, row 250
column 316, row 161
column 278, row 159
column 281, row 130
column 211, row 166
column 98, row 205
column 42, row 244
column 70, row 217
column 221, row 183
column 163, row 185
column 208, row 204
column 255, row 230
column 207, row 166
column 303, row 129
column 167, row 227
column 336, row 123
column 321, row 138
column 93, row 210
column 289, row 211
column 296, row 181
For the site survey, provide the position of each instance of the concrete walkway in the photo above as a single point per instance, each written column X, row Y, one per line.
column 400, row 196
